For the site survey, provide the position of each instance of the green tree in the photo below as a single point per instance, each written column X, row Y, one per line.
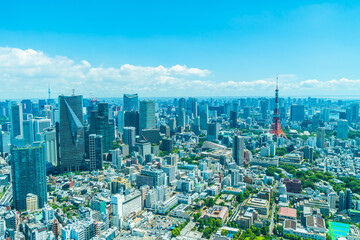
column 224, row 232
column 175, row 232
column 240, row 197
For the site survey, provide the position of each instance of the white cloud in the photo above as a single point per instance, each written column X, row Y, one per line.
column 28, row 73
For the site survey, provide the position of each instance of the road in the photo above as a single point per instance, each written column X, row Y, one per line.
column 7, row 197
column 272, row 219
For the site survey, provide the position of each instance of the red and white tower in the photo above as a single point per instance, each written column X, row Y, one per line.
column 276, row 125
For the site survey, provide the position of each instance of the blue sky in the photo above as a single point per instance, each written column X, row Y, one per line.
column 183, row 48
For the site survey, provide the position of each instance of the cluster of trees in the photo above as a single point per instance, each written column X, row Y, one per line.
column 308, row 178
column 254, row 233
column 176, row 231
column 192, row 160
column 278, row 230
column 210, row 202
column 350, row 182
column 353, row 134
column 281, row 151
column 209, row 226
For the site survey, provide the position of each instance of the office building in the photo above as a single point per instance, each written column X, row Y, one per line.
column 50, row 147
column 297, row 113
column 213, row 131
column 95, row 151
column 129, row 137
column 147, row 115
column 342, row 200
column 131, row 119
column 16, row 116
column 180, row 122
column 29, row 174
column 151, row 177
column 348, row 197
column 320, row 137
column 238, row 150
column 342, row 129
column 100, row 125
column 31, row 202
column 131, row 102
column 72, row 141
column 204, row 116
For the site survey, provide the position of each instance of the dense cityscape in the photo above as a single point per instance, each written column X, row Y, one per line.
column 180, row 168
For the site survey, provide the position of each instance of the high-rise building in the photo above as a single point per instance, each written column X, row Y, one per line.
column 29, row 174
column 180, row 122
column 151, row 177
column 26, row 105
column 246, row 112
column 204, row 116
column 348, row 197
column 238, row 150
column 131, row 119
column 95, row 151
column 342, row 129
column 192, row 106
column 325, row 114
column 147, row 115
column 50, row 147
column 264, row 105
column 297, row 113
column 233, row 119
column 213, row 131
column 131, row 102
column 129, row 137
column 100, row 125
column 120, row 120
column 235, row 178
column 320, row 137
column 342, row 200
column 354, row 112
column 16, row 121
column 72, row 139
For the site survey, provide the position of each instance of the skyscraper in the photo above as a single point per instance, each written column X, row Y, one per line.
column 348, row 197
column 354, row 112
column 129, row 137
column 181, row 118
column 342, row 200
column 213, row 131
column 204, row 116
column 131, row 119
column 16, row 115
column 95, row 151
column 238, row 150
column 29, row 174
column 147, row 115
column 131, row 102
column 297, row 113
column 264, row 104
column 100, row 125
column 50, row 146
column 72, row 142
column 342, row 129
column 320, row 137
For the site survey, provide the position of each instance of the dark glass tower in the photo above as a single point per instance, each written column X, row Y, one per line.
column 100, row 125
column 131, row 102
column 72, row 143
column 29, row 174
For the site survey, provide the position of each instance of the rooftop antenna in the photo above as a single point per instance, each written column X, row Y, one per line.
column 73, row 91
column 277, row 82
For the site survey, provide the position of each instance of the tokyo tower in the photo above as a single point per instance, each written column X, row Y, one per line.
column 276, row 125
